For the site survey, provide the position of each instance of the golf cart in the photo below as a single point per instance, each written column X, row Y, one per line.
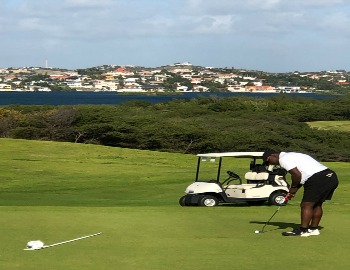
column 263, row 183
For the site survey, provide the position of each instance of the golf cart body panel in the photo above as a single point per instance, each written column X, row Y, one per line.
column 203, row 187
column 263, row 183
column 250, row 191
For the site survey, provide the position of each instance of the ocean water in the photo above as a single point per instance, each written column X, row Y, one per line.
column 75, row 98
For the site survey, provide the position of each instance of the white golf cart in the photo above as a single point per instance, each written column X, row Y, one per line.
column 263, row 183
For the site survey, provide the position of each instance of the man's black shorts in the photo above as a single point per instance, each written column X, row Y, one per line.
column 320, row 186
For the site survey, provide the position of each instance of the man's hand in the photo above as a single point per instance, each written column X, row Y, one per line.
column 293, row 190
column 289, row 196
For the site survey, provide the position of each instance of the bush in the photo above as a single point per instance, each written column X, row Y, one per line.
column 204, row 124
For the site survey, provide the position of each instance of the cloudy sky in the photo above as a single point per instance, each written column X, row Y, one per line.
column 268, row 35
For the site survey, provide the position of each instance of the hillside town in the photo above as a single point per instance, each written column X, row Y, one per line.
column 179, row 77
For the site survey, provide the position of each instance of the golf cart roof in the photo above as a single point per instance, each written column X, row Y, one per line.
column 232, row 154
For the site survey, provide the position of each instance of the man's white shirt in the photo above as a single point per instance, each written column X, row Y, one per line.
column 307, row 165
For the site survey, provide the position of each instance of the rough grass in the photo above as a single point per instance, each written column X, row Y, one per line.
column 59, row 191
column 343, row 126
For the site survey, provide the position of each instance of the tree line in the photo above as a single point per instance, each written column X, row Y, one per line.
column 204, row 124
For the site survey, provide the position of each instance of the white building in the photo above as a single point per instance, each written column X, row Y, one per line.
column 5, row 87
column 288, row 89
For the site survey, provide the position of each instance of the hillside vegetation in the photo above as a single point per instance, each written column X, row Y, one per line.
column 204, row 124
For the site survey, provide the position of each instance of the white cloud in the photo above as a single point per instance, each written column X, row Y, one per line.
column 237, row 6
column 337, row 23
column 187, row 25
column 229, row 6
column 213, row 24
column 319, row 3
column 87, row 3
column 190, row 27
column 95, row 19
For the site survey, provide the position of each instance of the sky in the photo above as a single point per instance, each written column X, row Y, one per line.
column 265, row 35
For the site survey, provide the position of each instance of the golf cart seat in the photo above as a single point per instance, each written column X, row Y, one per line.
column 265, row 178
column 254, row 177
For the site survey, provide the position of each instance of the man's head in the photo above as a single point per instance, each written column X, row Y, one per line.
column 271, row 157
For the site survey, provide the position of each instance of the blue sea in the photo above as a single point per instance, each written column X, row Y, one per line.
column 75, row 98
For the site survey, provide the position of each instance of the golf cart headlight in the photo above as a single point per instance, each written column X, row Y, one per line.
column 190, row 191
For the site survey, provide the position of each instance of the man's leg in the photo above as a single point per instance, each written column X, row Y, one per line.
column 307, row 214
column 317, row 216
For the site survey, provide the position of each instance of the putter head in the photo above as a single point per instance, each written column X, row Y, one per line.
column 257, row 231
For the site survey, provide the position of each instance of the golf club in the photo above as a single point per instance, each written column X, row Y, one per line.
column 286, row 199
column 37, row 244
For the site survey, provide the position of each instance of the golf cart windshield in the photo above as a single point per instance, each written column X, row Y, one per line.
column 210, row 165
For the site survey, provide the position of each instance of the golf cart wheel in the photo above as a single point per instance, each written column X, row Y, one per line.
column 277, row 198
column 182, row 201
column 208, row 200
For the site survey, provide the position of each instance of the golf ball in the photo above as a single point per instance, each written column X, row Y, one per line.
column 256, row 231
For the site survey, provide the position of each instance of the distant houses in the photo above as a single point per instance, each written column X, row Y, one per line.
column 179, row 77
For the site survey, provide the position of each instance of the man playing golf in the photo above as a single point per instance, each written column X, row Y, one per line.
column 319, row 183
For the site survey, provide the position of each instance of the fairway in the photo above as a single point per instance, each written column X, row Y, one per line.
column 54, row 192
column 343, row 126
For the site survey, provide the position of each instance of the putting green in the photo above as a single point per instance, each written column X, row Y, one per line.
column 169, row 237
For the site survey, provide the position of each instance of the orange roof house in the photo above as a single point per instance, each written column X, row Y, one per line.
column 122, row 71
column 254, row 88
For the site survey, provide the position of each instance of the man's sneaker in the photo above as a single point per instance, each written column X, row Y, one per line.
column 296, row 232
column 314, row 232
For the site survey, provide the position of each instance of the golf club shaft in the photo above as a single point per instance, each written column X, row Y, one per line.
column 68, row 241
column 279, row 207
column 286, row 199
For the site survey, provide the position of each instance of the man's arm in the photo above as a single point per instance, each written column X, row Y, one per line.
column 296, row 178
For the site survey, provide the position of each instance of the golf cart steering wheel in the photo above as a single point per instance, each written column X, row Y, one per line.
column 233, row 175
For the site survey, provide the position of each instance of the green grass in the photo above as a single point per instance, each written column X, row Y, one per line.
column 343, row 126
column 59, row 191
